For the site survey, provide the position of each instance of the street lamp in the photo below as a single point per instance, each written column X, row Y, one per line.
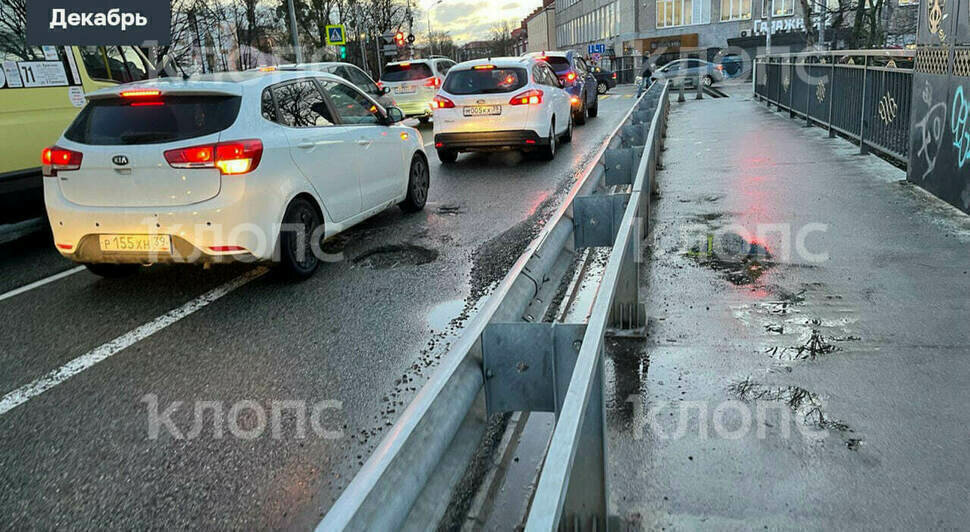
column 430, row 37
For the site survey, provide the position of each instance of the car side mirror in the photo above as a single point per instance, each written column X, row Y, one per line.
column 394, row 115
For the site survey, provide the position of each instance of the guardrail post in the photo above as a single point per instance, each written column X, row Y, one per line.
column 586, row 503
column 808, row 99
column 863, row 149
column 791, row 91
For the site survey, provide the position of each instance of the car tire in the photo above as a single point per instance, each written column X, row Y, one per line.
column 548, row 152
column 293, row 264
column 602, row 87
column 580, row 117
column 708, row 81
column 593, row 111
column 567, row 137
column 112, row 271
column 447, row 156
column 419, row 180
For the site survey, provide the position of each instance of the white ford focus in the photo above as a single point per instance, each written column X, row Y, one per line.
column 499, row 104
column 241, row 166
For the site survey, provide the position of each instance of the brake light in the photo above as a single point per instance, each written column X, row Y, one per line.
column 532, row 97
column 433, row 82
column 614, row 75
column 570, row 76
column 56, row 159
column 231, row 158
column 440, row 102
column 483, row 67
column 380, row 84
column 574, row 100
column 719, row 67
column 140, row 93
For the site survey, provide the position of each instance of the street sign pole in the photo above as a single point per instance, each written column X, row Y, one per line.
column 296, row 34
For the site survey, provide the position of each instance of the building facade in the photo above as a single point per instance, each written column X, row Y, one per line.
column 638, row 28
column 541, row 26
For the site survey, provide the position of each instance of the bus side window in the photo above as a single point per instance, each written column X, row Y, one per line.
column 136, row 65
column 95, row 63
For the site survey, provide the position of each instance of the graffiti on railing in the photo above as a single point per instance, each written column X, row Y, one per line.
column 934, row 19
column 958, row 126
column 888, row 109
column 930, row 128
column 820, row 91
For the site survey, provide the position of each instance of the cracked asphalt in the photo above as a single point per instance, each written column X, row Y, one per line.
column 360, row 337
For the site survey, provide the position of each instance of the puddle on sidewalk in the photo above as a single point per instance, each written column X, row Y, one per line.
column 808, row 407
column 740, row 262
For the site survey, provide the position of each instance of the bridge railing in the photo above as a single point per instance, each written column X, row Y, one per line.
column 863, row 95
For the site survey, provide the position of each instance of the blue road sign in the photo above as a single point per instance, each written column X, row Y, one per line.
column 336, row 35
column 599, row 48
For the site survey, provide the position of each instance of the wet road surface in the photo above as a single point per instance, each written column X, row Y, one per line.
column 821, row 386
column 358, row 340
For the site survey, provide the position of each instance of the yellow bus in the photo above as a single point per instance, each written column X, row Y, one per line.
column 41, row 91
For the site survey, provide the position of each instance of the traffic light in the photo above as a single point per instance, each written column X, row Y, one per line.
column 343, row 52
column 399, row 38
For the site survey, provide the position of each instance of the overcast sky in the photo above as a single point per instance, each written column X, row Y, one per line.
column 468, row 20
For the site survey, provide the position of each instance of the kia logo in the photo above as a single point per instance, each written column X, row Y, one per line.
column 120, row 160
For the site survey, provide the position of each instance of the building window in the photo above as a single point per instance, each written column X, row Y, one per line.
column 672, row 13
column 735, row 10
column 909, row 2
column 782, row 8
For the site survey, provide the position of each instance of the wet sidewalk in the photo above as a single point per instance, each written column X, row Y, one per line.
column 807, row 364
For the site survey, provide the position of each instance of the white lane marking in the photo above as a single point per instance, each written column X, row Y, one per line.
column 42, row 282
column 25, row 393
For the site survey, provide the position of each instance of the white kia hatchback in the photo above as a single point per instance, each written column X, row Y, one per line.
column 500, row 104
column 245, row 166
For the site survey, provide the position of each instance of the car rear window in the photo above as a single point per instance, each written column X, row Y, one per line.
column 123, row 121
column 408, row 72
column 559, row 64
column 489, row 81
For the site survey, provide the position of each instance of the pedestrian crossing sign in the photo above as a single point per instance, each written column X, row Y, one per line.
column 336, row 35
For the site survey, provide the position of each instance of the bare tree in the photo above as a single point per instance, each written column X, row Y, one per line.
column 13, row 29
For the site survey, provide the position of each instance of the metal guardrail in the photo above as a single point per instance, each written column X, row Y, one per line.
column 506, row 361
column 864, row 95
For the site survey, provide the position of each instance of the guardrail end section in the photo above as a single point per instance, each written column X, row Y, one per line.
column 528, row 365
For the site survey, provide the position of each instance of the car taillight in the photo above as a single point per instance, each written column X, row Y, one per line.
column 569, row 77
column 433, row 82
column 231, row 158
column 614, row 75
column 719, row 67
column 532, row 97
column 440, row 102
column 56, row 159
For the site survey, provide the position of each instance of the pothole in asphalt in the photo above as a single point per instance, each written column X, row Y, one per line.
column 808, row 408
column 396, row 255
column 739, row 261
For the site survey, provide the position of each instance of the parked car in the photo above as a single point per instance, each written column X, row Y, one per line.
column 414, row 84
column 605, row 80
column 352, row 74
column 222, row 167
column 578, row 80
column 688, row 71
column 499, row 104
column 40, row 93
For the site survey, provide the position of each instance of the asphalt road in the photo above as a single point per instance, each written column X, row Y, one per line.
column 356, row 341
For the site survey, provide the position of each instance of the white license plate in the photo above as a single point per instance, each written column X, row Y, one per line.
column 483, row 110
column 405, row 90
column 136, row 243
